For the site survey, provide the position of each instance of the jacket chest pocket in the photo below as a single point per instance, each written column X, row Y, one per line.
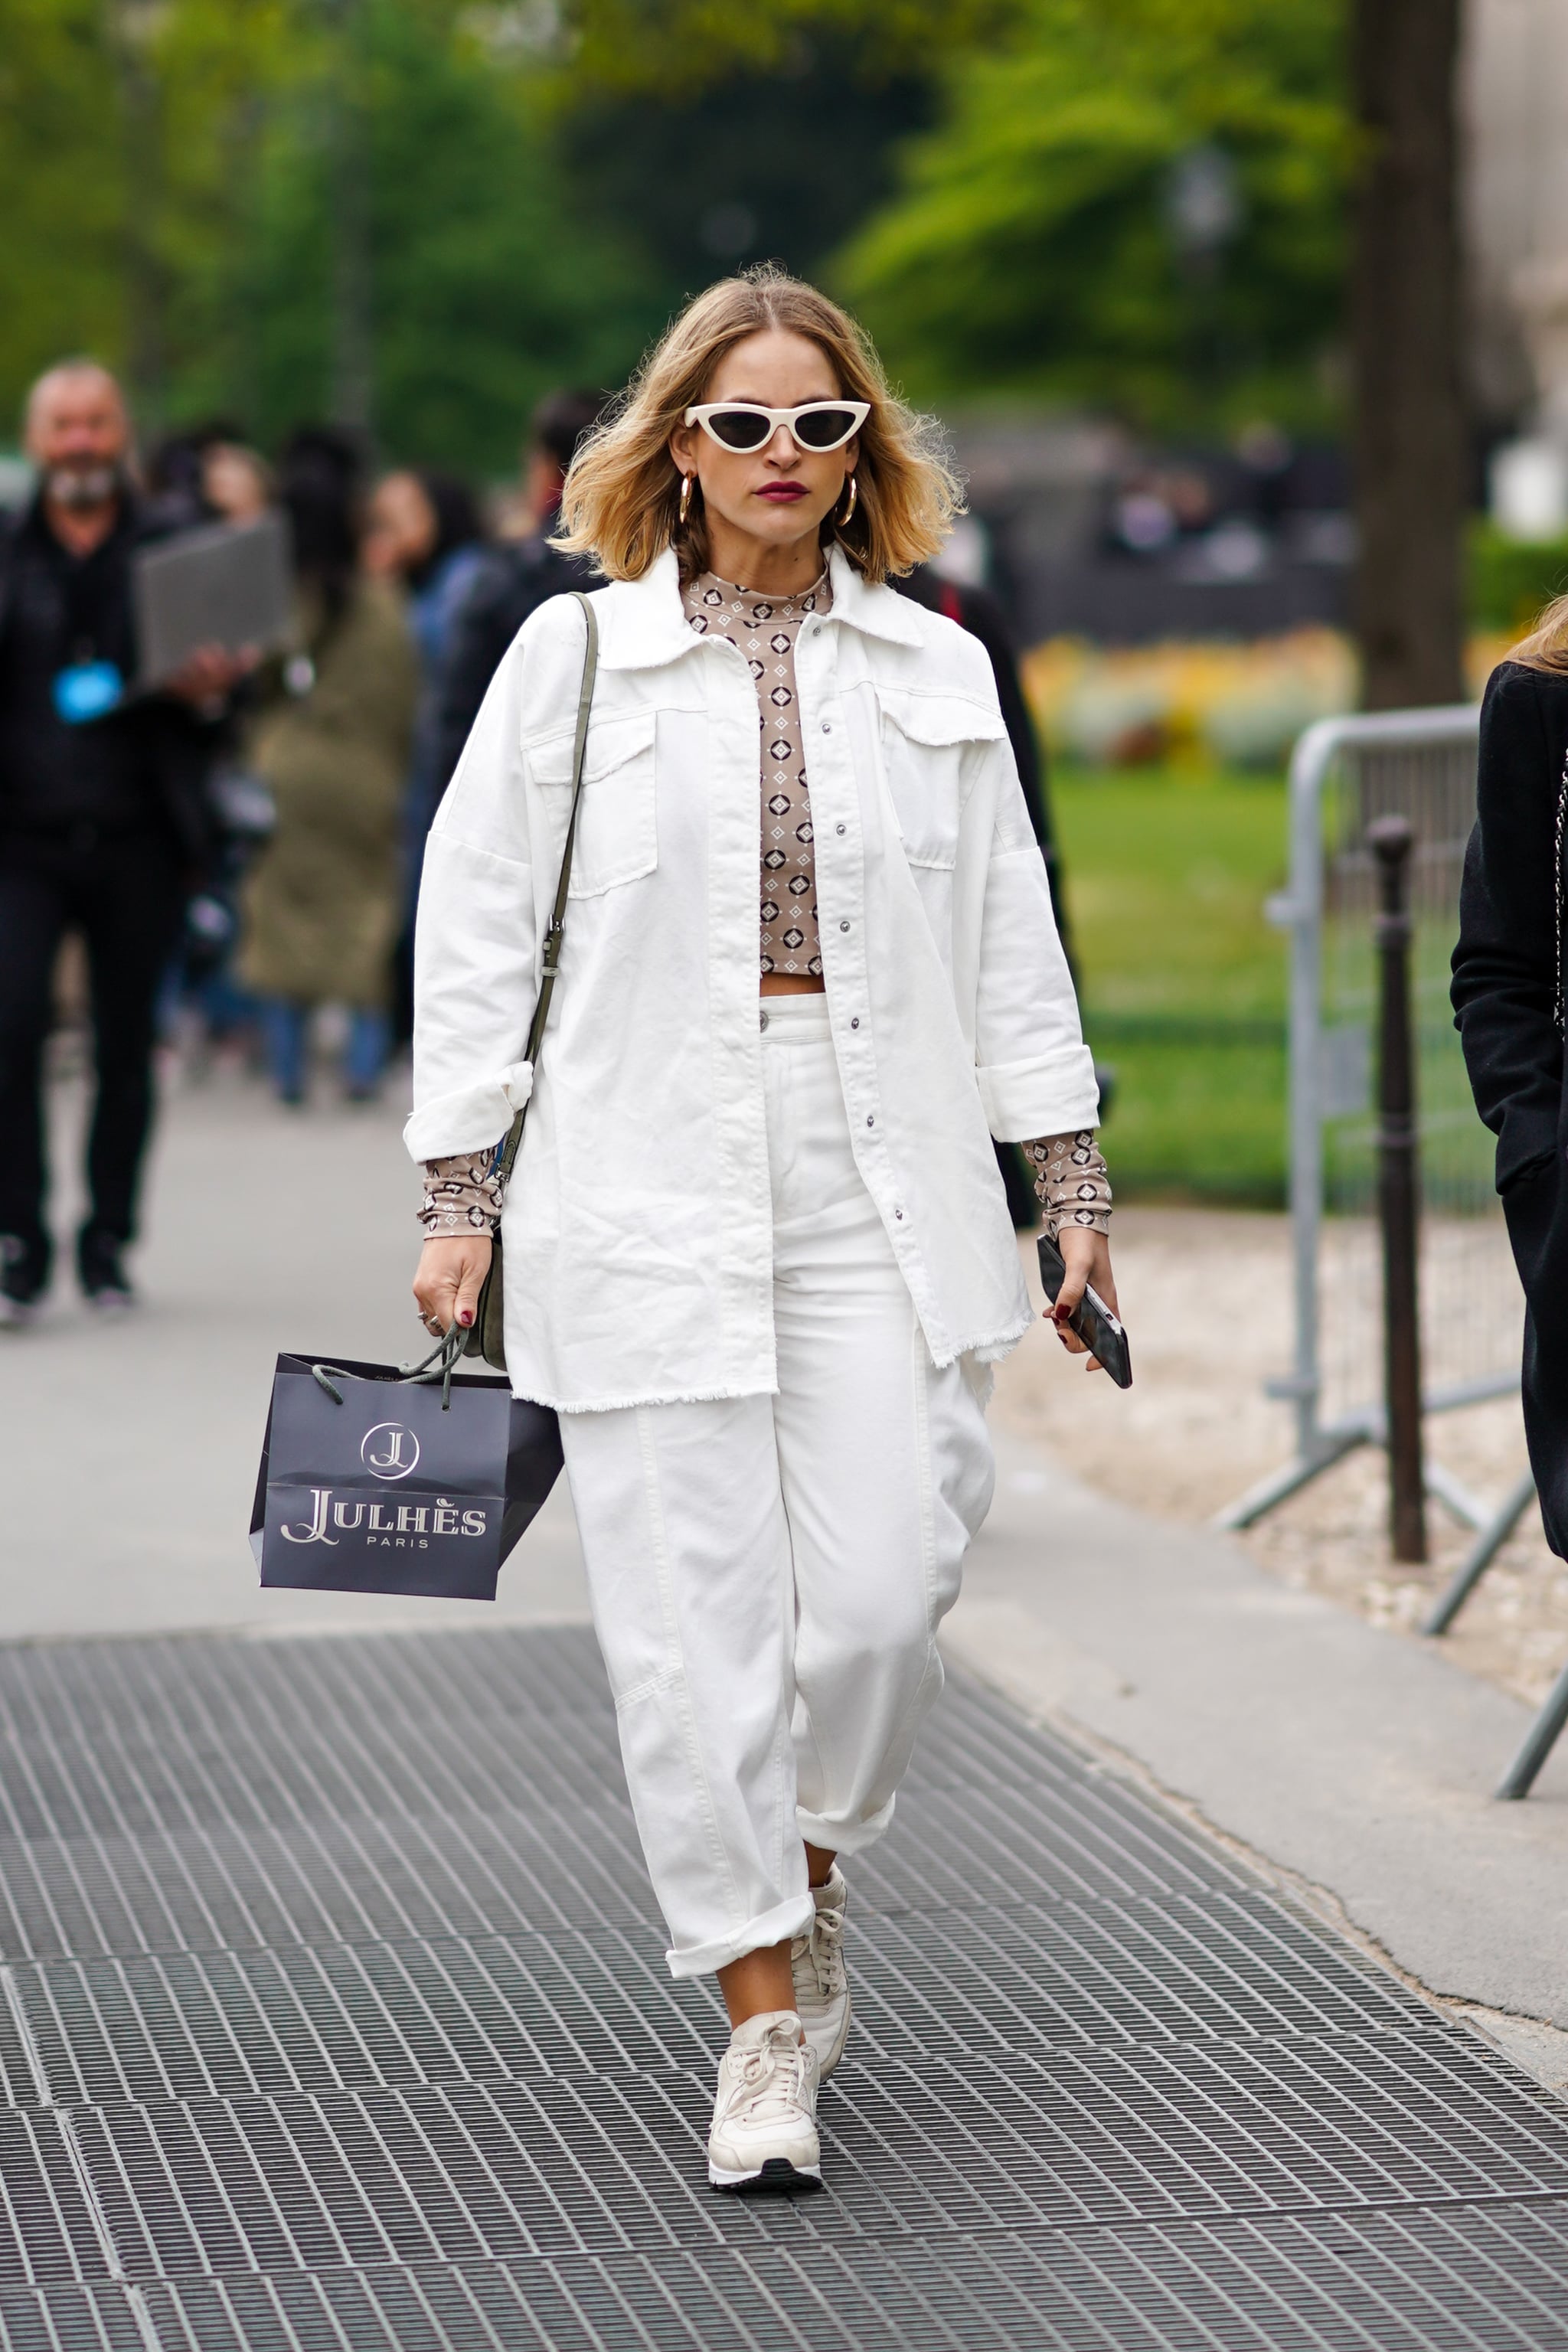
column 617, row 837
column 926, row 739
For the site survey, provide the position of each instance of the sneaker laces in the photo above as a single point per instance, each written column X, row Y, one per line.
column 771, row 2073
column 825, row 1943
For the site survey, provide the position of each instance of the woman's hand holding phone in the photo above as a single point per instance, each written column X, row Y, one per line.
column 1086, row 1256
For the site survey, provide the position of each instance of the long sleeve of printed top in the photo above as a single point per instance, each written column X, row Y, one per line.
column 463, row 1195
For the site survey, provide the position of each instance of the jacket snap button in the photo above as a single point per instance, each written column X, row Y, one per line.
column 764, row 1021
column 839, row 828
column 844, row 926
column 828, row 726
column 869, row 1121
column 854, row 1023
column 899, row 1214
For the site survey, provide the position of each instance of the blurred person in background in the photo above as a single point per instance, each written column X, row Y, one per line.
column 330, row 740
column 206, row 473
column 104, row 824
column 172, row 476
column 236, row 483
column 423, row 532
column 810, row 967
column 514, row 579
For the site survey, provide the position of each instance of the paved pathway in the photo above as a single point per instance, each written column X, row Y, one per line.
column 334, row 2011
column 335, row 2015
column 133, row 1450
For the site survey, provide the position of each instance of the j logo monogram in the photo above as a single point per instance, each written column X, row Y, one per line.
column 389, row 1450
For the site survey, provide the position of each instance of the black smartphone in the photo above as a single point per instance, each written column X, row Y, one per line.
column 1093, row 1320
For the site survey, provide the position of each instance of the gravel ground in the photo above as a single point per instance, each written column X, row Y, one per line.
column 1195, row 1430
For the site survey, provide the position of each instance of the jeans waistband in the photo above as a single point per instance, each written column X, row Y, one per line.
column 796, row 1020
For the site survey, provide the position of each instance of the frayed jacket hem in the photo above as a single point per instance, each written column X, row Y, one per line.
column 630, row 1403
column 989, row 1350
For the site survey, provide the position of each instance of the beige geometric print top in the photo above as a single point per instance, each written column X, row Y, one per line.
column 765, row 629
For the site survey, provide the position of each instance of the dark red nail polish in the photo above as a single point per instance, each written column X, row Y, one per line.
column 466, row 1318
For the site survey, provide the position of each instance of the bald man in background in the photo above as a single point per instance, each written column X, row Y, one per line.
column 103, row 823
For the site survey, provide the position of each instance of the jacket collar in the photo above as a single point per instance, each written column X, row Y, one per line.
column 875, row 611
column 642, row 624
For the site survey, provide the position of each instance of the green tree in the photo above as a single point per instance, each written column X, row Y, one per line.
column 165, row 170
column 680, row 48
column 1037, row 243
column 780, row 166
column 1408, row 401
column 487, row 284
column 60, row 198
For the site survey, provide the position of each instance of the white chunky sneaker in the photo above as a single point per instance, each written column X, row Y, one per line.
column 821, row 1984
column 765, row 2117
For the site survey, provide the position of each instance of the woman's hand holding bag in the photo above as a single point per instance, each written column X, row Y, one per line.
column 448, row 1278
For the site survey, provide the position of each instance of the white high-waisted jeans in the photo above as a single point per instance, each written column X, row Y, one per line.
column 768, row 1572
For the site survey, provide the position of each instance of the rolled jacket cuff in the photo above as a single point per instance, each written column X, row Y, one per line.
column 1053, row 1095
column 471, row 1118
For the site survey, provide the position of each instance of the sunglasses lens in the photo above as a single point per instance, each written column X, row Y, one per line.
column 824, row 428
column 740, row 429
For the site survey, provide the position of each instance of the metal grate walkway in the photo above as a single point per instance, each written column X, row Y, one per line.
column 334, row 2017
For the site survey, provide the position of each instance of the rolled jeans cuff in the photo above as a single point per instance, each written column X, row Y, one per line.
column 846, row 1837
column 792, row 1918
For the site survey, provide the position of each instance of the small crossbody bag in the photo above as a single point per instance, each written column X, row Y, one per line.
column 488, row 1335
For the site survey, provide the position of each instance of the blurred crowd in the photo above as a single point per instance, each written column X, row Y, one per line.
column 339, row 747
column 212, row 864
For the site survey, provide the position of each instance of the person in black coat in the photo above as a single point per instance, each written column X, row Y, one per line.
column 1508, row 1005
column 104, row 824
column 512, row 581
column 978, row 611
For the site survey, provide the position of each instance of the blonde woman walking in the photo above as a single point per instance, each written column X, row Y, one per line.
column 758, row 1252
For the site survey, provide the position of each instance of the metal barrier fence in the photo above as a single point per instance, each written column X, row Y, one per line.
column 1419, row 764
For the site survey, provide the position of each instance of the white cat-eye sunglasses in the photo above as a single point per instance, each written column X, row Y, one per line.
column 819, row 426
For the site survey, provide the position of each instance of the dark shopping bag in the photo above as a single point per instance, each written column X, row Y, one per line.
column 375, row 1480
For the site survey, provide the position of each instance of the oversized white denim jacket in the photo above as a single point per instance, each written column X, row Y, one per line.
column 637, row 1225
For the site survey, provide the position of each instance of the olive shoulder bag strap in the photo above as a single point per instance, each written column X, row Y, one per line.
column 487, row 1339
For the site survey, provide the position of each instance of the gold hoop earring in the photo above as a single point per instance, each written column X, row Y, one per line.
column 850, row 508
column 686, row 482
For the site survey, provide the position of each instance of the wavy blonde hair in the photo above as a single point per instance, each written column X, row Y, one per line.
column 1546, row 646
column 622, row 499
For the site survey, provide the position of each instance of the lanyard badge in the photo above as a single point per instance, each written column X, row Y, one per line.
column 87, row 690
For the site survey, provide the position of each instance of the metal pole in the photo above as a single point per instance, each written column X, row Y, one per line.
column 1309, row 766
column 1390, row 839
column 1300, row 910
column 1520, row 1777
column 1479, row 1557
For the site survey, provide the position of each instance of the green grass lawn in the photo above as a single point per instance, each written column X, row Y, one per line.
column 1182, row 980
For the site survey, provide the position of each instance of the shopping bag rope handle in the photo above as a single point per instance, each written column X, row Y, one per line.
column 438, row 1365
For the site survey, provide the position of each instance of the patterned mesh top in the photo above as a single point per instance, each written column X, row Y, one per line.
column 765, row 629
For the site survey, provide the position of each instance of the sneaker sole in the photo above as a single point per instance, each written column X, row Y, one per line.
column 778, row 2174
